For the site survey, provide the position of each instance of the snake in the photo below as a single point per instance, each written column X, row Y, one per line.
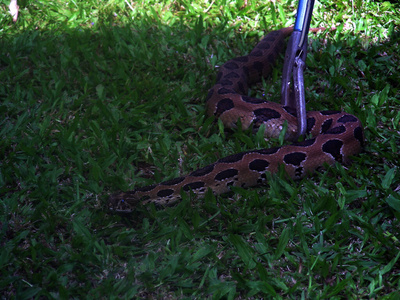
column 334, row 136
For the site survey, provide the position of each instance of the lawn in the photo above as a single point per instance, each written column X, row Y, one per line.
column 102, row 96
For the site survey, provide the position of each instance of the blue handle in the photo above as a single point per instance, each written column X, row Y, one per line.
column 304, row 13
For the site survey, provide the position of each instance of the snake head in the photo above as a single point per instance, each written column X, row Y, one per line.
column 119, row 202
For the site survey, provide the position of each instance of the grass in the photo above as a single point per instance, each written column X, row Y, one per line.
column 99, row 96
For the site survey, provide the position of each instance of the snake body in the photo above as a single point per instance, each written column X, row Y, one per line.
column 335, row 135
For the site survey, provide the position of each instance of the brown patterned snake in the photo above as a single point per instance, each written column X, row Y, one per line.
column 335, row 135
